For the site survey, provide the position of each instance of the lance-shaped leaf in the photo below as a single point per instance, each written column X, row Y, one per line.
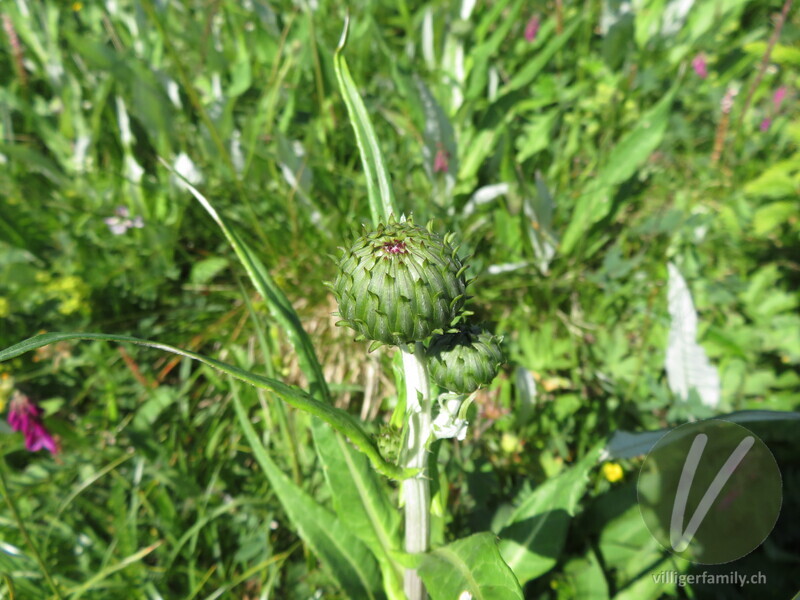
column 339, row 419
column 361, row 500
column 535, row 530
column 345, row 556
column 628, row 444
column 276, row 300
column 687, row 364
column 624, row 160
column 379, row 184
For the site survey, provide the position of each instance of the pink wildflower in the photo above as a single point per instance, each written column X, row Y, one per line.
column 532, row 28
column 765, row 124
column 441, row 162
column 699, row 65
column 25, row 416
column 120, row 223
column 778, row 96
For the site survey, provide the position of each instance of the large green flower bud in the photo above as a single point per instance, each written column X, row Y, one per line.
column 462, row 362
column 400, row 284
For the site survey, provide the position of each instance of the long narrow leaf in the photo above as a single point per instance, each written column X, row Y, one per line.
column 348, row 559
column 379, row 184
column 625, row 158
column 360, row 499
column 110, row 570
column 340, row 420
column 687, row 363
column 529, row 72
column 278, row 303
column 629, row 444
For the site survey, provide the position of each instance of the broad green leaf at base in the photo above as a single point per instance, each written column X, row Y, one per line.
column 471, row 565
column 534, row 533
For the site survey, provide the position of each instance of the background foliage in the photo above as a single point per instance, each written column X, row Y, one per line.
column 575, row 148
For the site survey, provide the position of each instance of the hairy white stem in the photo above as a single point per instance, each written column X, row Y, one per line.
column 416, row 490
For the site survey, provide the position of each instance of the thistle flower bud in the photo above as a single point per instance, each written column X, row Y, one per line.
column 400, row 284
column 464, row 361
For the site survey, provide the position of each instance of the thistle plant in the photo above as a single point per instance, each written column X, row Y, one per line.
column 397, row 285
column 405, row 286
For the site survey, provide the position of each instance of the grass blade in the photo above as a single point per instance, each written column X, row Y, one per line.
column 108, row 571
column 278, row 303
column 361, row 500
column 340, row 420
column 348, row 559
column 379, row 185
column 529, row 72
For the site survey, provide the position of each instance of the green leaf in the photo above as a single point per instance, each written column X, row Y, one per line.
column 276, row 300
column 34, row 161
column 780, row 180
column 535, row 135
column 346, row 557
column 585, row 578
column 438, row 131
column 626, row 444
column 626, row 545
column 780, row 54
column 534, row 532
column 379, row 186
column 529, row 72
column 109, row 570
column 205, row 270
column 472, row 565
column 361, row 500
column 501, row 20
column 623, row 161
column 339, row 419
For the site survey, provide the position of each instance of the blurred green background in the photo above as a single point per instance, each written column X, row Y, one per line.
column 575, row 148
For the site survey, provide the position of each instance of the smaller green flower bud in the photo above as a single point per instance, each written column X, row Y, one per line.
column 390, row 442
column 464, row 361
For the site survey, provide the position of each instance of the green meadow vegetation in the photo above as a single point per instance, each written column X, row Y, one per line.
column 175, row 180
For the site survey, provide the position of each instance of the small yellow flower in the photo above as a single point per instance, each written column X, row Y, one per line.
column 552, row 384
column 70, row 290
column 510, row 443
column 612, row 471
column 76, row 6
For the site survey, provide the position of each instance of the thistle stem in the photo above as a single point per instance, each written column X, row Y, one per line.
column 416, row 490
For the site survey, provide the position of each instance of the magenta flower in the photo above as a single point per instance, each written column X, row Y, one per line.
column 25, row 416
column 121, row 223
column 532, row 28
column 778, row 96
column 441, row 162
column 777, row 99
column 699, row 65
